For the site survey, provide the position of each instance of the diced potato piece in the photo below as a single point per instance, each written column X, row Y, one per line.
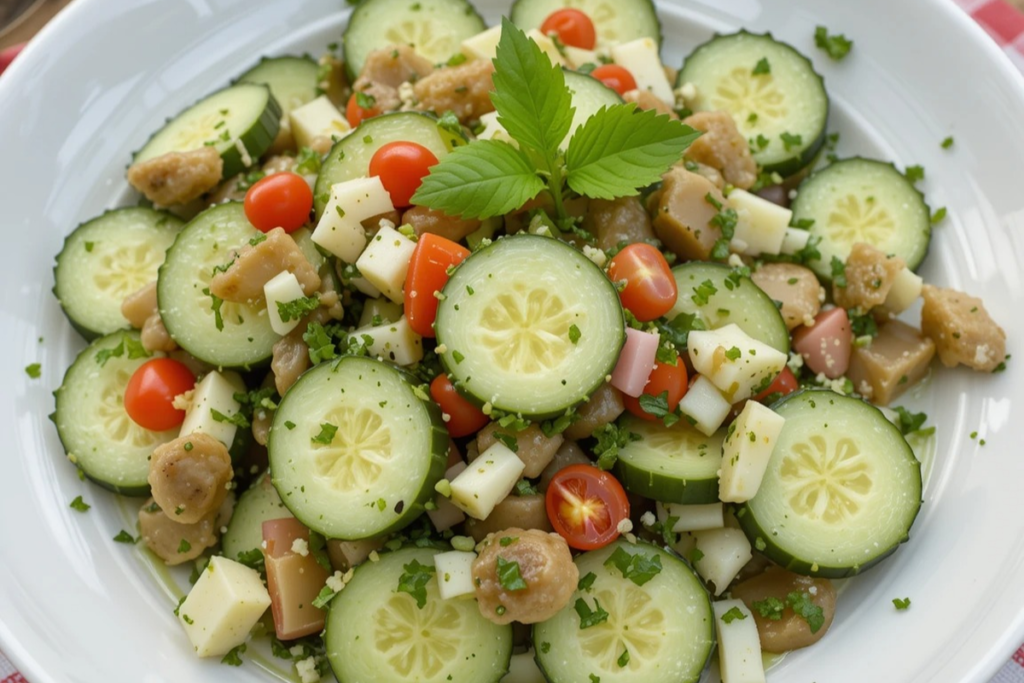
column 447, row 515
column 215, row 392
column 705, row 406
column 534, row 448
column 641, row 58
column 385, row 262
column 340, row 230
column 725, row 552
column 897, row 358
column 294, row 578
column 525, row 512
column 746, row 451
column 603, row 406
column 962, row 329
column 736, row 363
column 282, row 289
column 396, row 342
column 347, row 554
column 455, row 574
column 796, row 286
column 220, row 610
column 483, row 45
column 318, row 118
column 682, row 214
column 739, row 649
column 692, row 517
column 477, row 489
column 760, row 225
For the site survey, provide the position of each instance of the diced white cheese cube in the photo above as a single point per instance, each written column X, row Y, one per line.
column 447, row 515
column 577, row 56
column 455, row 574
column 747, row 450
column 317, row 118
column 487, row 481
column 483, row 45
column 692, row 517
column 214, row 395
column 385, row 262
column 523, row 669
column 724, row 552
column 220, row 610
column 760, row 224
column 340, row 230
column 640, row 57
column 494, row 130
column 283, row 288
column 704, row 404
column 547, row 46
column 735, row 362
column 906, row 287
column 739, row 647
column 795, row 240
column 395, row 342
column 383, row 310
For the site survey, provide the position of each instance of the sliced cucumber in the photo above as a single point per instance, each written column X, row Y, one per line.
column 674, row 464
column 377, row 633
column 530, row 326
column 616, row 22
column 787, row 106
column 863, row 200
column 354, row 451
column 105, row 260
column 841, row 491
column 717, row 295
column 434, row 28
column 97, row 434
column 589, row 95
column 665, row 625
column 350, row 156
column 240, row 122
column 258, row 504
column 293, row 81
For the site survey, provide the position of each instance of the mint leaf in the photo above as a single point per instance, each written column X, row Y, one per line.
column 589, row 617
column 637, row 567
column 533, row 104
column 621, row 149
column 414, row 581
column 486, row 178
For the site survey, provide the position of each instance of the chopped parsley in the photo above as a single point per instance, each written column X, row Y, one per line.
column 295, row 309
column 901, row 603
column 590, row 617
column 234, row 656
column 762, row 67
column 574, row 334
column 586, row 581
column 838, row 272
column 733, row 614
column 791, row 140
column 326, row 435
column 914, row 173
column 184, row 546
column 637, row 567
column 414, row 581
column 79, row 505
column 34, row 370
column 948, row 142
column 835, row 46
column 509, row 576
column 124, row 537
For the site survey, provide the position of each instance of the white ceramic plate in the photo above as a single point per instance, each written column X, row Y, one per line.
column 74, row 606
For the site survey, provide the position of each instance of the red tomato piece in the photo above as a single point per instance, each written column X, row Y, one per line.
column 355, row 113
column 428, row 273
column 573, row 28
column 280, row 200
column 650, row 290
column 615, row 77
column 401, row 166
column 150, row 393
column 585, row 506
column 665, row 379
column 464, row 418
column 784, row 383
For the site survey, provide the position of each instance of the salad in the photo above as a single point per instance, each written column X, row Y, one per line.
column 486, row 326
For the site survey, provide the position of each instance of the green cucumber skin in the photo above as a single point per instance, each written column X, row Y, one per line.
column 763, row 539
column 273, row 71
column 256, row 505
column 520, row 8
column 653, row 485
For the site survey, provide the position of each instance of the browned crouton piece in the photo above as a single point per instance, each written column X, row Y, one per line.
column 962, row 329
column 255, row 265
column 177, row 177
column 722, row 146
column 683, row 214
column 897, row 359
column 870, row 274
column 464, row 89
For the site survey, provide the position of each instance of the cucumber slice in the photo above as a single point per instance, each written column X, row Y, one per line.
column 434, row 28
column 790, row 99
column 674, row 464
column 240, row 122
column 350, row 157
column 863, row 200
column 530, row 326
column 97, row 434
column 841, row 491
column 666, row 625
column 259, row 503
column 293, row 81
column 354, row 451
column 106, row 259
column 589, row 95
column 615, row 22
column 718, row 295
column 377, row 633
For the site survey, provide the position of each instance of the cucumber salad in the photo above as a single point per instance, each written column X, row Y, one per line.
column 511, row 353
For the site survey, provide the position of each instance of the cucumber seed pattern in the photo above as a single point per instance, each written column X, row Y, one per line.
column 526, row 329
column 749, row 98
column 358, row 451
column 636, row 625
column 118, row 426
column 827, row 480
column 420, row 36
column 854, row 220
column 124, row 268
column 417, row 640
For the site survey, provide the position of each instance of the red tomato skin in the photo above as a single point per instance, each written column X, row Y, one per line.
column 615, row 77
column 151, row 391
column 664, row 378
column 401, row 167
column 356, row 114
column 428, row 273
column 784, row 383
column 280, row 200
column 650, row 290
column 592, row 487
column 573, row 28
column 464, row 418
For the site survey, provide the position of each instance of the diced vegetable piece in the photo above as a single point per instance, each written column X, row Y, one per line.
column 319, row 118
column 692, row 517
column 636, row 361
column 794, row 241
column 705, row 406
column 214, row 395
column 739, row 650
column 760, row 224
column 641, row 58
column 385, row 262
column 431, row 259
column 746, row 451
column 294, row 578
column 220, row 610
column 395, row 342
column 906, row 288
column 896, row 359
column 347, row 554
column 523, row 511
column 796, row 286
column 683, row 216
column 739, row 365
column 340, row 230
column 724, row 552
column 825, row 345
column 533, row 447
column 483, row 45
column 377, row 311
column 788, row 629
column 455, row 574
column 478, row 488
column 283, row 288
column 446, row 515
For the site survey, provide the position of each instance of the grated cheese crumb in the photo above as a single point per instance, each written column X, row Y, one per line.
column 648, row 519
column 336, row 582
column 306, row 668
column 300, row 547
column 596, row 255
column 625, row 526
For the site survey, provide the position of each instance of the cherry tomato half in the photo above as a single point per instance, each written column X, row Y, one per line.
column 150, row 393
column 670, row 380
column 401, row 167
column 784, row 383
column 280, row 200
column 573, row 28
column 428, row 273
column 355, row 113
column 650, row 290
column 585, row 506
column 615, row 77
column 464, row 418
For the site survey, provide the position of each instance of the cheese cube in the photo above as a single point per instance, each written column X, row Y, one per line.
column 760, row 224
column 547, row 46
column 455, row 574
column 483, row 45
column 385, row 262
column 906, row 287
column 640, row 57
column 795, row 240
column 447, row 515
column 487, row 481
column 395, row 342
column 383, row 310
column 318, row 118
column 736, row 363
column 283, row 288
column 724, row 552
column 493, row 130
column 747, row 450
column 577, row 57
column 739, row 647
column 705, row 406
column 340, row 230
column 220, row 610
column 692, row 517
column 215, row 392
